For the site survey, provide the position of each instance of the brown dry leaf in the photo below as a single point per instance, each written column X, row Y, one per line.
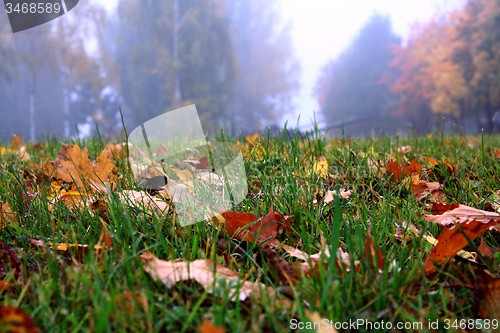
column 451, row 168
column 15, row 320
column 208, row 327
column 268, row 226
column 4, row 285
column 486, row 250
column 316, row 319
column 412, row 168
column 115, row 152
column 141, row 200
column 202, row 271
column 497, row 152
column 371, row 252
column 452, row 240
column 330, row 195
column 76, row 199
column 74, row 162
column 397, row 171
column 283, row 268
column 488, row 295
column 441, row 208
column 128, row 301
column 394, row 170
column 448, row 218
column 74, row 251
column 6, row 215
column 8, row 261
column 423, row 190
column 404, row 149
column 17, row 143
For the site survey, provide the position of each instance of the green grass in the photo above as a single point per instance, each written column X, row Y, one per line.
column 81, row 298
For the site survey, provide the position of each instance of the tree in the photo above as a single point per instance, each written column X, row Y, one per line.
column 431, row 84
column 79, row 70
column 349, row 86
column 268, row 74
column 478, row 54
column 173, row 53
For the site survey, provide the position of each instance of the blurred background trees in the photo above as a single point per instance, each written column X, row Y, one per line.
column 234, row 60
column 448, row 68
column 349, row 86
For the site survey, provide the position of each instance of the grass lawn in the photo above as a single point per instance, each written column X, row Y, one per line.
column 378, row 232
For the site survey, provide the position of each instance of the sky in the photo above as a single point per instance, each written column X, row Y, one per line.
column 322, row 29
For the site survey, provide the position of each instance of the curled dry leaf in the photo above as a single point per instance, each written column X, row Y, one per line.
column 73, row 162
column 142, row 200
column 449, row 217
column 330, row 195
column 208, row 327
column 204, row 271
column 452, row 240
column 404, row 149
column 15, row 320
column 423, row 190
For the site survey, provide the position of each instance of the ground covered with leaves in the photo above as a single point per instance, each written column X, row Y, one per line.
column 387, row 234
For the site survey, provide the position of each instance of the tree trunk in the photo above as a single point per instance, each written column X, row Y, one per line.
column 65, row 103
column 32, row 105
column 175, row 55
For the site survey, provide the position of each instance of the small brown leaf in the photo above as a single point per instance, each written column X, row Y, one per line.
column 423, row 190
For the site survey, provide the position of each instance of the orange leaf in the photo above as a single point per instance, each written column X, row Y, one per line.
column 267, row 226
column 74, row 162
column 209, row 327
column 393, row 168
column 423, row 190
column 452, row 240
column 15, row 320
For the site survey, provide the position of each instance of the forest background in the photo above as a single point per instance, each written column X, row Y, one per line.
column 235, row 61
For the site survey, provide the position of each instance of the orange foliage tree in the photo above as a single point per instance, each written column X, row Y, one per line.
column 451, row 67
